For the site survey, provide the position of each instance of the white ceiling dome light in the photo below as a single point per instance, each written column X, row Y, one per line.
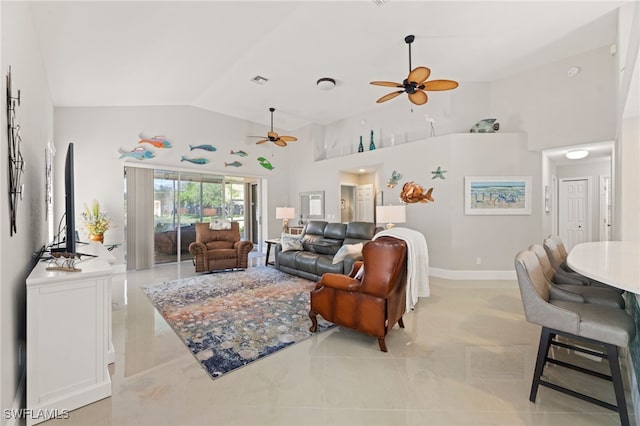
column 326, row 83
column 577, row 154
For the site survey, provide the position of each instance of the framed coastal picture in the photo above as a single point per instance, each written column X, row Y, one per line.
column 497, row 195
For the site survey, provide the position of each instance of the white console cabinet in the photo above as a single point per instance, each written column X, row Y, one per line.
column 68, row 337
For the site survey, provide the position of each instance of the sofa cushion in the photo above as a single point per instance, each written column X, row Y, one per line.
column 335, row 231
column 219, row 224
column 291, row 244
column 346, row 250
column 359, row 232
column 325, row 264
column 306, row 261
column 327, row 246
column 288, row 258
column 222, row 254
column 218, row 245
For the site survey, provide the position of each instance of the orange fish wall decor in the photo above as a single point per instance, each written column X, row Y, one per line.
column 414, row 193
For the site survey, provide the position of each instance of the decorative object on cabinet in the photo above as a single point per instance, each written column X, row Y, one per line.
column 16, row 161
column 414, row 193
column 416, row 82
column 265, row 163
column 394, row 179
column 285, row 213
column 488, row 125
column 273, row 136
column 497, row 195
column 96, row 222
column 391, row 215
column 372, row 145
column 137, row 153
column 438, row 173
column 156, row 141
column 360, row 146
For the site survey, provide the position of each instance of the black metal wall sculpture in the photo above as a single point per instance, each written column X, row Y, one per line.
column 16, row 162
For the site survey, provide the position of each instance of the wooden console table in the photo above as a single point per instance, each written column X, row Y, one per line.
column 68, row 337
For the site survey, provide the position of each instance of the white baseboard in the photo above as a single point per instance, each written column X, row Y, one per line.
column 472, row 275
column 18, row 401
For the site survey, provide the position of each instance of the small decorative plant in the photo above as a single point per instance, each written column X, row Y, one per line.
column 95, row 221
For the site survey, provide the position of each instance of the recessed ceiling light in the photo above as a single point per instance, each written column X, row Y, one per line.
column 361, row 170
column 577, row 154
column 258, row 79
column 326, row 83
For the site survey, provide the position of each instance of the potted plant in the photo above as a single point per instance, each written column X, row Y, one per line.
column 95, row 221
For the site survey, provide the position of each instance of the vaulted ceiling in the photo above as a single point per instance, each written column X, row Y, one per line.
column 205, row 53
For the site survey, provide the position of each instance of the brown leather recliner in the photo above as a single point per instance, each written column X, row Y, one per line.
column 372, row 304
column 219, row 249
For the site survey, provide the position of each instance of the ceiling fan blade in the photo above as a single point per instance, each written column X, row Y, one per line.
column 288, row 138
column 418, row 97
column 440, row 85
column 262, row 141
column 280, row 142
column 255, row 136
column 272, row 135
column 389, row 96
column 386, row 83
column 419, row 75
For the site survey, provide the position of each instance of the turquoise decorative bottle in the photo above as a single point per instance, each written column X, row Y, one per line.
column 360, row 147
column 372, row 145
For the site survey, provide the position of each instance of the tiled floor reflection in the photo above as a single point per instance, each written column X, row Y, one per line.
column 465, row 358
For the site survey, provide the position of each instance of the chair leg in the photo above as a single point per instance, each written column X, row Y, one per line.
column 616, row 378
column 383, row 345
column 401, row 323
column 543, row 350
column 314, row 321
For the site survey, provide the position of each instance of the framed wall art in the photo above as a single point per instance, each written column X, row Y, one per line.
column 497, row 195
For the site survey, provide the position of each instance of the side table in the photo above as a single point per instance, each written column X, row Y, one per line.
column 269, row 243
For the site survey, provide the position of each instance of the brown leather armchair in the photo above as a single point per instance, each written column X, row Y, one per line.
column 219, row 249
column 372, row 304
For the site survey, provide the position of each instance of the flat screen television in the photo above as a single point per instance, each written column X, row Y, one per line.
column 69, row 205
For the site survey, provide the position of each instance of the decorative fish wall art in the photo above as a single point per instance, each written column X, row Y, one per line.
column 207, row 147
column 414, row 193
column 195, row 160
column 156, row 141
column 394, row 179
column 234, row 164
column 239, row 153
column 265, row 163
column 137, row 153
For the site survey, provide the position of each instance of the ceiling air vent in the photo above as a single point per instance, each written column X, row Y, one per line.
column 258, row 79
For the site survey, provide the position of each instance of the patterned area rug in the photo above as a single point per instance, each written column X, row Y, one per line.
column 229, row 319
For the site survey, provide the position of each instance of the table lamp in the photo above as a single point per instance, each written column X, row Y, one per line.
column 391, row 214
column 285, row 213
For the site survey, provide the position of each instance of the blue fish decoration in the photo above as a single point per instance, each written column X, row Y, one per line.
column 394, row 179
column 138, row 153
column 265, row 163
column 207, row 147
column 156, row 141
column 240, row 153
column 195, row 160
column 234, row 164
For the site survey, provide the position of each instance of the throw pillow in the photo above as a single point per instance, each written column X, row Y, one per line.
column 290, row 244
column 219, row 224
column 360, row 273
column 346, row 250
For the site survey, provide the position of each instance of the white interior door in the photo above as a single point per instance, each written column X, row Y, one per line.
column 574, row 211
column 364, row 203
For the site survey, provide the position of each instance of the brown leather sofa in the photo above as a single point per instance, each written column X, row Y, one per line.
column 372, row 304
column 219, row 249
column 320, row 242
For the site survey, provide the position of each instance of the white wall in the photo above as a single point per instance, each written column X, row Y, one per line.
column 99, row 132
column 35, row 114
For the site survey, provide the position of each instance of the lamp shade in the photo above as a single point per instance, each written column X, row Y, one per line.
column 391, row 214
column 285, row 213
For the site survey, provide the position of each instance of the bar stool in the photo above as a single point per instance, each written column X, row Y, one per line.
column 606, row 327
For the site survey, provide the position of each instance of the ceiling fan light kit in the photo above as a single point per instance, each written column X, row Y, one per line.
column 273, row 136
column 416, row 82
column 326, row 83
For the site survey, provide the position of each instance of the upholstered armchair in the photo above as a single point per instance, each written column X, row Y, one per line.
column 372, row 303
column 219, row 249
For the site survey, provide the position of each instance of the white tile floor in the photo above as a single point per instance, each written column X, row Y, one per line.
column 465, row 357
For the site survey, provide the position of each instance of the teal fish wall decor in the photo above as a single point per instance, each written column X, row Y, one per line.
column 239, row 153
column 156, row 141
column 265, row 163
column 195, row 160
column 207, row 147
column 234, row 164
column 394, row 179
column 438, row 173
column 137, row 153
column 488, row 125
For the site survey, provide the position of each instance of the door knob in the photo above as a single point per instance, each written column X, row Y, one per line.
column 579, row 226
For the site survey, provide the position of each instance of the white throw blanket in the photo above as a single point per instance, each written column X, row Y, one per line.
column 417, row 262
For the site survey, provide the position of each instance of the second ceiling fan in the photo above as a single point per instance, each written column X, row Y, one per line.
column 273, row 136
column 416, row 82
